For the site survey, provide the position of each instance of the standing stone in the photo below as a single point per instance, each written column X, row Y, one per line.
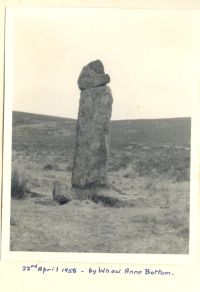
column 92, row 132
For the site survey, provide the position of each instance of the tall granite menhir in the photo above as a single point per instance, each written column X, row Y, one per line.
column 92, row 132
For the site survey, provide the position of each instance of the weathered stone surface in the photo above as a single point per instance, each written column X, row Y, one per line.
column 93, row 75
column 92, row 136
column 61, row 193
column 97, row 66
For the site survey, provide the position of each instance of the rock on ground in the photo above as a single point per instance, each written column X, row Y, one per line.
column 61, row 193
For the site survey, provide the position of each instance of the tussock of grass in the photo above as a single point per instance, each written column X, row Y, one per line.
column 48, row 166
column 18, row 184
column 106, row 200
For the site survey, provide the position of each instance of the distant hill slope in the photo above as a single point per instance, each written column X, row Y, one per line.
column 41, row 130
column 20, row 118
column 152, row 131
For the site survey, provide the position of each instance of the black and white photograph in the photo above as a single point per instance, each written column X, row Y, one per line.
column 100, row 111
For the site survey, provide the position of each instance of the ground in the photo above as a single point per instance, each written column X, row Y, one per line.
column 149, row 168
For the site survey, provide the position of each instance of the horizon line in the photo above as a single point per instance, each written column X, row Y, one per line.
column 64, row 117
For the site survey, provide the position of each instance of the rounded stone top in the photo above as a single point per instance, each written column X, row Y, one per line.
column 93, row 75
column 97, row 66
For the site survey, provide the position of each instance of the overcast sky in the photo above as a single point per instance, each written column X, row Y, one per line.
column 148, row 55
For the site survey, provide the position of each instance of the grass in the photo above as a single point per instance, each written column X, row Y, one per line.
column 83, row 226
column 18, row 184
column 147, row 211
